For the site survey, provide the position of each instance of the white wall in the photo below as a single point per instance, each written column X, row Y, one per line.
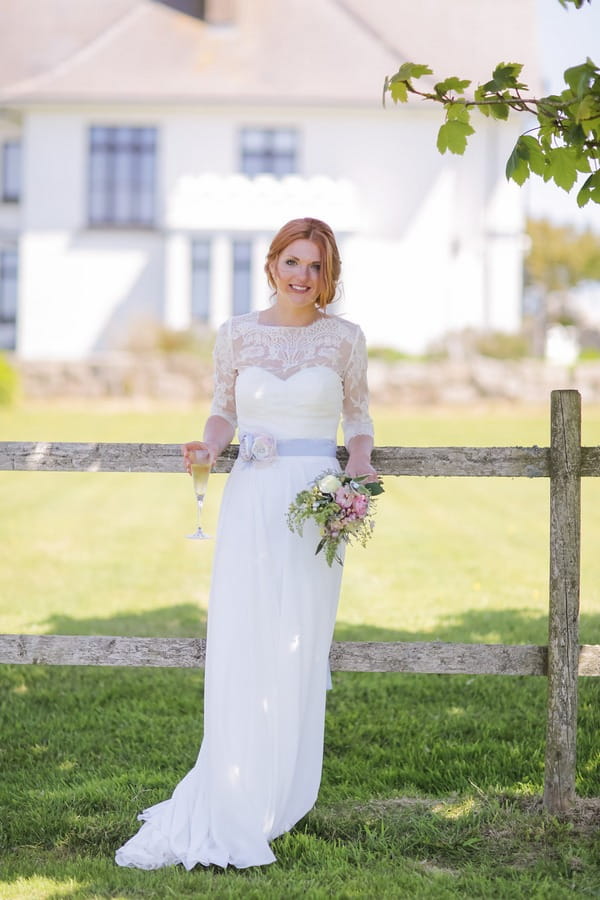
column 82, row 290
column 430, row 243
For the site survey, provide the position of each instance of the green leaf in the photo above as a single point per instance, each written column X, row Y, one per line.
column 562, row 167
column 582, row 163
column 451, row 84
column 590, row 190
column 588, row 108
column 531, row 151
column 499, row 110
column 399, row 91
column 410, row 70
column 457, row 112
column 481, row 95
column 504, row 76
column 547, row 132
column 453, row 136
column 517, row 166
column 591, row 127
column 573, row 135
column 578, row 77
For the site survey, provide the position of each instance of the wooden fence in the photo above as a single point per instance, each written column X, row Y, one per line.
column 564, row 462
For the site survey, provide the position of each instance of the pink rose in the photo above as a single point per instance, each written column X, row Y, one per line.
column 343, row 497
column 360, row 505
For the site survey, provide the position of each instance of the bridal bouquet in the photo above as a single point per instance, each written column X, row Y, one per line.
column 342, row 507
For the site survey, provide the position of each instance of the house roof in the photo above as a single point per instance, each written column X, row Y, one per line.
column 276, row 51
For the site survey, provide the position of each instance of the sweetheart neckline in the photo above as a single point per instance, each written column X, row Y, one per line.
column 289, row 377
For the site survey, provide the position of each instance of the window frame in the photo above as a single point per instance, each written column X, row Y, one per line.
column 120, row 193
column 201, row 276
column 8, row 323
column 241, row 275
column 268, row 159
column 11, row 184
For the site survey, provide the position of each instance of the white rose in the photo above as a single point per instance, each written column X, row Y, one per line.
column 263, row 448
column 329, row 484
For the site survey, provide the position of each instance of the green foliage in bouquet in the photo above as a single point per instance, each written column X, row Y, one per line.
column 342, row 507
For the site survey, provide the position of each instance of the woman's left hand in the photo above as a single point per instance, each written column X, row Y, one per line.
column 359, row 457
column 356, row 467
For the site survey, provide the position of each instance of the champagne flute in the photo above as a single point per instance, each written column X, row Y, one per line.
column 200, row 468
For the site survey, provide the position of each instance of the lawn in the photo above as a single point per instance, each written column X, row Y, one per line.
column 431, row 784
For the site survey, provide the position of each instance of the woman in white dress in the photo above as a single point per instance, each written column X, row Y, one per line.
column 283, row 377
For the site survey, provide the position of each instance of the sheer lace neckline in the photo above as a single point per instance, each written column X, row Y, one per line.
column 320, row 318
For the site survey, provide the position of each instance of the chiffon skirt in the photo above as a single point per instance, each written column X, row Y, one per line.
column 270, row 623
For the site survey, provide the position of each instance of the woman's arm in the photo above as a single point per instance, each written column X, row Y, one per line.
column 359, row 457
column 358, row 426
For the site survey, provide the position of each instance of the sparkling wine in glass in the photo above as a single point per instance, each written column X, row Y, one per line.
column 200, row 466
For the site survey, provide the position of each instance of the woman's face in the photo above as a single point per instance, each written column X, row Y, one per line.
column 297, row 273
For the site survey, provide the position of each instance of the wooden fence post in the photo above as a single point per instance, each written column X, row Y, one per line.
column 563, row 623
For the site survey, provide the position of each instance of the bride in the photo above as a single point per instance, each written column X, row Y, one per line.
column 283, row 376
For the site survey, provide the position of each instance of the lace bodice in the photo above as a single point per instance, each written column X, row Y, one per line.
column 333, row 348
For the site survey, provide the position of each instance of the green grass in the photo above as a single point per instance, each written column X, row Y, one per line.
column 431, row 784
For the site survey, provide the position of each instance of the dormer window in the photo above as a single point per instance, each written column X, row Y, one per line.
column 269, row 151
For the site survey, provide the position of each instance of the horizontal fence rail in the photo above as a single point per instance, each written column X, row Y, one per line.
column 564, row 463
column 473, row 462
column 433, row 657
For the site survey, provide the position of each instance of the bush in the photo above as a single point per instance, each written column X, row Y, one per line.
column 387, row 354
column 499, row 345
column 391, row 355
column 9, row 382
column 589, row 354
column 152, row 337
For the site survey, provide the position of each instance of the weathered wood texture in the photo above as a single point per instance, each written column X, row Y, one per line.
column 508, row 462
column 563, row 622
column 346, row 656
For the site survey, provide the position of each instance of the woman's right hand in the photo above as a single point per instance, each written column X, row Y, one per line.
column 187, row 450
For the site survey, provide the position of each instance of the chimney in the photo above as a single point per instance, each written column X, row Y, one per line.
column 219, row 12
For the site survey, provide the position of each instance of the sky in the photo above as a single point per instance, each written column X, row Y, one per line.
column 565, row 37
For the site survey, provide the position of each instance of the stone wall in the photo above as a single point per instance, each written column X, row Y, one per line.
column 185, row 378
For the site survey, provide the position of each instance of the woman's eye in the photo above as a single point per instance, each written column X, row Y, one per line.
column 290, row 262
column 316, row 267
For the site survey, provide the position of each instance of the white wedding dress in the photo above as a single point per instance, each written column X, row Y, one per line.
column 272, row 603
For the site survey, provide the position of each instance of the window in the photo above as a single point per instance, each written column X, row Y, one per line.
column 242, row 277
column 122, row 176
column 200, row 281
column 11, row 171
column 8, row 298
column 269, row 151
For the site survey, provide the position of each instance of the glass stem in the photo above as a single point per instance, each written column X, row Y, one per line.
column 200, row 504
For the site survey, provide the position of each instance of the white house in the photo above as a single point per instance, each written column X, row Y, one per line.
column 150, row 149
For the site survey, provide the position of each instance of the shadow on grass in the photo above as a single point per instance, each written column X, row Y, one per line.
column 86, row 748
column 493, row 626
column 183, row 620
column 487, row 626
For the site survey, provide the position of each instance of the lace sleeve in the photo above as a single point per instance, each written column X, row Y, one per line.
column 223, row 403
column 355, row 412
